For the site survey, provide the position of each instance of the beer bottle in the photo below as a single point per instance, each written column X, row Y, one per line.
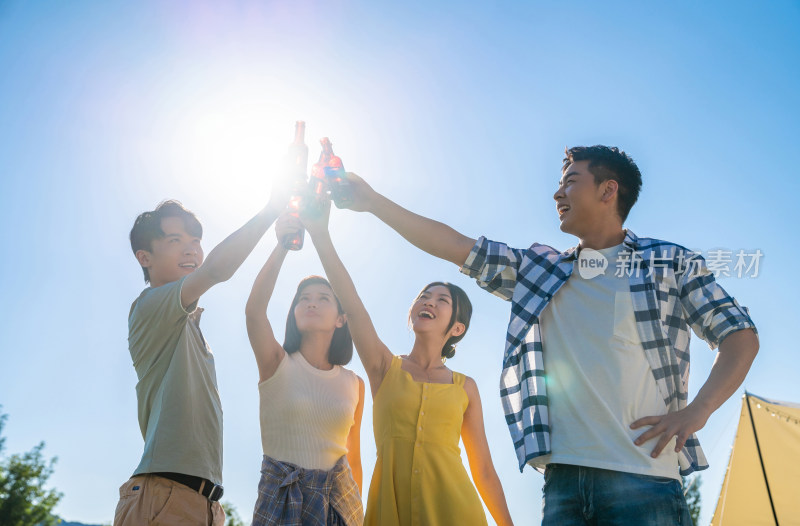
column 318, row 186
column 297, row 164
column 335, row 176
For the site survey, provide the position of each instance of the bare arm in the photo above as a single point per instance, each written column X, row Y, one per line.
column 735, row 356
column 375, row 356
column 480, row 458
column 354, row 439
column 223, row 261
column 433, row 237
column 266, row 348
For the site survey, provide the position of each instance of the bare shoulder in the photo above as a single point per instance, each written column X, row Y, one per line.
column 471, row 388
column 470, row 384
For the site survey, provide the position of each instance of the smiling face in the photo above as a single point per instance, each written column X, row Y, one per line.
column 441, row 310
column 581, row 203
column 316, row 309
column 172, row 256
column 432, row 310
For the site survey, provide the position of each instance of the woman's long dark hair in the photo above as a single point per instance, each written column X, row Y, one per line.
column 341, row 349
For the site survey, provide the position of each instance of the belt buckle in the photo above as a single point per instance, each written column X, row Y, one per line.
column 216, row 493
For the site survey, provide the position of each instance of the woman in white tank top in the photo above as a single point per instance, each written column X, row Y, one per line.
column 310, row 406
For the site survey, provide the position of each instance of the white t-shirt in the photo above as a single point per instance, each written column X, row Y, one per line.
column 598, row 379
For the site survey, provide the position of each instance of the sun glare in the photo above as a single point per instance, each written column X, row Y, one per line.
column 232, row 146
column 232, row 149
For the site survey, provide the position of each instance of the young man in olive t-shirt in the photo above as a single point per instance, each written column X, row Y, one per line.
column 179, row 478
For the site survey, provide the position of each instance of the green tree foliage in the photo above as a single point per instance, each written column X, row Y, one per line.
column 691, row 487
column 23, row 499
column 233, row 518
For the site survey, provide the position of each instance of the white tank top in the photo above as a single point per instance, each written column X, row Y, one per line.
column 306, row 413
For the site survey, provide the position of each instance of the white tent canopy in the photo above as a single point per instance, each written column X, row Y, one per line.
column 762, row 483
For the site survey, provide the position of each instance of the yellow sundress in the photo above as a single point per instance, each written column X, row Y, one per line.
column 419, row 478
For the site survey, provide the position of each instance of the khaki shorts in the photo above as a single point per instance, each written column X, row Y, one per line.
column 153, row 500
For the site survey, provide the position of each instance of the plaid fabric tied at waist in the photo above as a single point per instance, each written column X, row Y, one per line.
column 292, row 496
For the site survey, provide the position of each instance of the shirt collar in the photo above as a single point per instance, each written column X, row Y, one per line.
column 631, row 241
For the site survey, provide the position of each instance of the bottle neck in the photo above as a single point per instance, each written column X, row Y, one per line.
column 299, row 132
column 327, row 149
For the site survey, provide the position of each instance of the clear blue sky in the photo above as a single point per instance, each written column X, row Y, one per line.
column 459, row 111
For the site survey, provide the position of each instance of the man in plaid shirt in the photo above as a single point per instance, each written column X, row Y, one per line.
column 596, row 363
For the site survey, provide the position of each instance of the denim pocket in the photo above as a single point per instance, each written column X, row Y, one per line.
column 655, row 479
column 548, row 475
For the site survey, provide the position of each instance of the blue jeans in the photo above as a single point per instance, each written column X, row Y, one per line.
column 581, row 496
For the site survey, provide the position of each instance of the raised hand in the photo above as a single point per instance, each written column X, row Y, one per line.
column 287, row 224
column 362, row 195
column 316, row 220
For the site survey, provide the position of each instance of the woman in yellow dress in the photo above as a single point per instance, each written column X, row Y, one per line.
column 420, row 408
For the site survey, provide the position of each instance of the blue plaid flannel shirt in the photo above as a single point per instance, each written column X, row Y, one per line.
column 671, row 289
column 289, row 495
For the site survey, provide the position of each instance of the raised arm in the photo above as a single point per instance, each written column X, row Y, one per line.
column 433, row 237
column 227, row 257
column 375, row 356
column 266, row 348
column 480, row 459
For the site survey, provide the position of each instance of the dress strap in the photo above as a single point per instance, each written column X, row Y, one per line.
column 459, row 379
column 396, row 361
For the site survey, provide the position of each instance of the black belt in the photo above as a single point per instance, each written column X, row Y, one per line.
column 206, row 488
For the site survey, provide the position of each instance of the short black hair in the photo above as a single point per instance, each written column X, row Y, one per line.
column 462, row 313
column 147, row 227
column 609, row 162
column 341, row 349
